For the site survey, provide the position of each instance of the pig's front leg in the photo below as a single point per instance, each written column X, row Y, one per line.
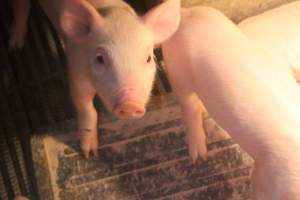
column 192, row 110
column 18, row 28
column 82, row 93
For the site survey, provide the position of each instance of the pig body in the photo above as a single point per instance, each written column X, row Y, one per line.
column 249, row 93
column 109, row 51
column 277, row 31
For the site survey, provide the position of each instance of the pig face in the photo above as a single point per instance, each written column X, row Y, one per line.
column 122, row 65
column 119, row 47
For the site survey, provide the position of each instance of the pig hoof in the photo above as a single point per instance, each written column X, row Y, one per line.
column 17, row 37
column 196, row 153
column 197, row 149
column 88, row 144
column 87, row 151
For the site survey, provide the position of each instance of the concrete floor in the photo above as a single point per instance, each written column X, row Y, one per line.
column 144, row 159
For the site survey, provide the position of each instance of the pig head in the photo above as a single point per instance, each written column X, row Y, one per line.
column 117, row 50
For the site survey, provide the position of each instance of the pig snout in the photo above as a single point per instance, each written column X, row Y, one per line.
column 130, row 110
column 129, row 106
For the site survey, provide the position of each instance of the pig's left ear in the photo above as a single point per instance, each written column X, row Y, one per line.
column 163, row 20
column 77, row 19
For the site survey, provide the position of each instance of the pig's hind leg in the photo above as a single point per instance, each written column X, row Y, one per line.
column 18, row 28
column 82, row 93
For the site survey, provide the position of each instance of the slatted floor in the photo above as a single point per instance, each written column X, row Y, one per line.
column 145, row 159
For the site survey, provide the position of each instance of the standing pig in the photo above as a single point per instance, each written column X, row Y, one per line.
column 248, row 92
column 109, row 51
column 277, row 31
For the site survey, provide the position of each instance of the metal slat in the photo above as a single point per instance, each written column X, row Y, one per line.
column 9, row 126
column 16, row 61
column 56, row 59
column 10, row 135
column 4, row 166
column 14, row 120
column 3, row 192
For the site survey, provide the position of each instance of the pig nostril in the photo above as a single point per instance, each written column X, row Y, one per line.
column 139, row 112
column 122, row 112
column 129, row 110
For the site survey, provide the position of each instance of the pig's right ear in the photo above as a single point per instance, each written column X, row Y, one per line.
column 163, row 20
column 77, row 19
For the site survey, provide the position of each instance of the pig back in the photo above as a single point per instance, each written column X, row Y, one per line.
column 278, row 31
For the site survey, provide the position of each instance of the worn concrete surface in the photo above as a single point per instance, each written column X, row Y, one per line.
column 146, row 159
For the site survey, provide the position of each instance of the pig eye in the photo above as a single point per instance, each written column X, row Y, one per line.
column 99, row 59
column 149, row 59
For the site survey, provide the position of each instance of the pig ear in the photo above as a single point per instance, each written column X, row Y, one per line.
column 77, row 19
column 163, row 20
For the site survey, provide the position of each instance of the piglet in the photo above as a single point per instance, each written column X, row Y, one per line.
column 109, row 50
column 255, row 98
